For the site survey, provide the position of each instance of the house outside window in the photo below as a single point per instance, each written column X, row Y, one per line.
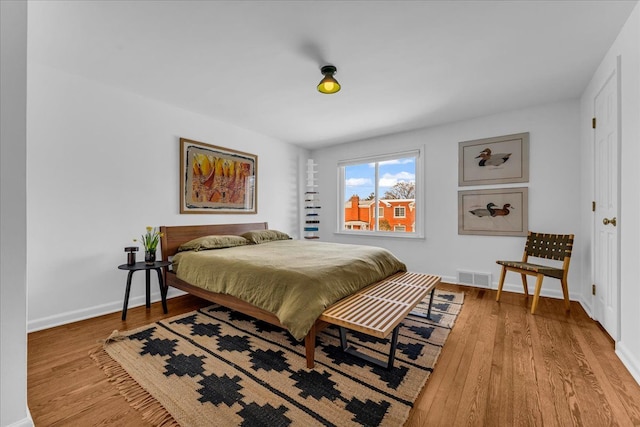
column 382, row 195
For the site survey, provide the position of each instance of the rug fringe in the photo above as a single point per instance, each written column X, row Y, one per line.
column 115, row 336
column 140, row 399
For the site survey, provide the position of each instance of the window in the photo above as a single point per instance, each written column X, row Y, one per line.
column 370, row 185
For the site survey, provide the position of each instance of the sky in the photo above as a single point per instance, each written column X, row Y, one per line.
column 360, row 179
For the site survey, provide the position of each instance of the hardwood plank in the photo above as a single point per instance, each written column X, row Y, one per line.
column 503, row 358
column 66, row 388
column 447, row 401
column 500, row 366
column 474, row 396
column 562, row 368
column 432, row 393
column 544, row 379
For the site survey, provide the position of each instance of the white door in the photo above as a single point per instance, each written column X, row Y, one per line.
column 606, row 210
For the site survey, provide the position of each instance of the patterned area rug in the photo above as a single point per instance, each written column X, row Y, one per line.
column 218, row 367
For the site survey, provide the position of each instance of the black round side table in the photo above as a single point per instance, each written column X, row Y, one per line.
column 157, row 266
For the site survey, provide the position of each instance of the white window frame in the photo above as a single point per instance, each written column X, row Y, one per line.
column 380, row 211
column 419, row 203
column 404, row 212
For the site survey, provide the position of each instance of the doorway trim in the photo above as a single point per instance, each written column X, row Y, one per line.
column 597, row 312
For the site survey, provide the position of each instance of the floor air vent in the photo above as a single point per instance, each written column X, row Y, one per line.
column 474, row 278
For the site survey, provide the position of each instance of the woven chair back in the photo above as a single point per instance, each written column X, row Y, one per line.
column 549, row 246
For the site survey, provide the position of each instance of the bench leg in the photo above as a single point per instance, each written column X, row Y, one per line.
column 394, row 345
column 352, row 351
column 343, row 338
column 433, row 291
column 428, row 315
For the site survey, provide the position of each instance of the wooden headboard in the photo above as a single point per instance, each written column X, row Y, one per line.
column 174, row 236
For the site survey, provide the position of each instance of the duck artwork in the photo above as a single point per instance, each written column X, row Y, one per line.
column 501, row 212
column 480, row 212
column 492, row 210
column 488, row 159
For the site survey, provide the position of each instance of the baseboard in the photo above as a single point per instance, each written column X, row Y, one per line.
column 25, row 422
column 448, row 279
column 517, row 288
column 115, row 306
column 546, row 291
column 629, row 360
column 95, row 311
column 587, row 306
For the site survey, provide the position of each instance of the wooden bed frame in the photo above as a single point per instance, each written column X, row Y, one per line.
column 174, row 236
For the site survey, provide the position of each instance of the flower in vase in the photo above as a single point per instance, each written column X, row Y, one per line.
column 150, row 239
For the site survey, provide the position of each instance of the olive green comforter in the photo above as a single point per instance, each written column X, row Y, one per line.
column 296, row 280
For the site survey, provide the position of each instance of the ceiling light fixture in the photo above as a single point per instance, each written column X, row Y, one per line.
column 328, row 84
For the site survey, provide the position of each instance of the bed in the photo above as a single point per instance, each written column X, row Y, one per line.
column 284, row 272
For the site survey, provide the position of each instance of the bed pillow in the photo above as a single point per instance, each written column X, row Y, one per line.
column 263, row 236
column 213, row 242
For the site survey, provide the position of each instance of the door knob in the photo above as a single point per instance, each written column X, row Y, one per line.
column 612, row 221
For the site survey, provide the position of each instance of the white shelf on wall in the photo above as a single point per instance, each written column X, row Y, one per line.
column 311, row 226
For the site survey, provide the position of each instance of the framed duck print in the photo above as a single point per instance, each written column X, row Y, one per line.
column 494, row 212
column 497, row 160
column 216, row 180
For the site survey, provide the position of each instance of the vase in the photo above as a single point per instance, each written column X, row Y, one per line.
column 150, row 257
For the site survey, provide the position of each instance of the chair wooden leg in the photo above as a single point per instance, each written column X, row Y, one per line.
column 524, row 284
column 502, row 274
column 536, row 295
column 565, row 292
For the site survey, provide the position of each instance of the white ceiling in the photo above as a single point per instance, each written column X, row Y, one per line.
column 402, row 64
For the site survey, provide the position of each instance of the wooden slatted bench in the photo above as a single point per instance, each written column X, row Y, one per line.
column 378, row 310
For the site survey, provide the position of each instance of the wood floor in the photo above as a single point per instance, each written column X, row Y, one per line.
column 501, row 366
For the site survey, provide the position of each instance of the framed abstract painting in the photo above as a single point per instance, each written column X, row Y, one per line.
column 216, row 180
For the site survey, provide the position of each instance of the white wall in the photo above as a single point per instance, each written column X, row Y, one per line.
column 627, row 48
column 103, row 164
column 13, row 231
column 553, row 201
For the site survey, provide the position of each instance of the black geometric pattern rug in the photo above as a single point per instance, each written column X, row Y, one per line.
column 218, row 367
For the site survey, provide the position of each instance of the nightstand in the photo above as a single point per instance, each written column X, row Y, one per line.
column 157, row 266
